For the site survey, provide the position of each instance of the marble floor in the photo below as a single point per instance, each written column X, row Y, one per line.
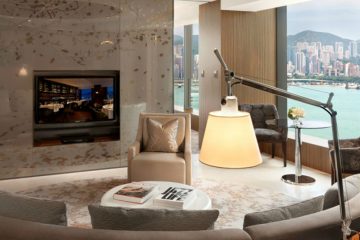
column 266, row 176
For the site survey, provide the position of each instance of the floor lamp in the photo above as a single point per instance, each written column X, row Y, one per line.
column 229, row 139
column 231, row 80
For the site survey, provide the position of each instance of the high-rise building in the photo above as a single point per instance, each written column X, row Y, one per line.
column 302, row 46
column 347, row 54
column 300, row 63
column 178, row 61
column 346, row 69
column 353, row 49
column 325, row 57
column 339, row 50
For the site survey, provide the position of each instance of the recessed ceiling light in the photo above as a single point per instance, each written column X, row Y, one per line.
column 107, row 42
column 23, row 72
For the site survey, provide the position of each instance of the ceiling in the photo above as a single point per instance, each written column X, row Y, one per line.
column 187, row 11
column 255, row 5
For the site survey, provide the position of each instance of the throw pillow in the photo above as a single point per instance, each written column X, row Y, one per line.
column 296, row 210
column 162, row 137
column 32, row 209
column 117, row 218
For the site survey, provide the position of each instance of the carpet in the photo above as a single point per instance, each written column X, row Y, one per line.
column 232, row 200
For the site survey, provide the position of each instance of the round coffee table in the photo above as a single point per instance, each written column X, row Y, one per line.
column 201, row 202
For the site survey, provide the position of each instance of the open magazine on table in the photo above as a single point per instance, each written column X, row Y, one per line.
column 135, row 192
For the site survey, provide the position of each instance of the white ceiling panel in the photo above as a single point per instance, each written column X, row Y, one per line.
column 255, row 5
column 187, row 11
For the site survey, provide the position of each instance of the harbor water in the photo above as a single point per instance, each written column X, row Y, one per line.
column 346, row 103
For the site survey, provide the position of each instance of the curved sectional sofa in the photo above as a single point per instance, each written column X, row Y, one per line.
column 323, row 224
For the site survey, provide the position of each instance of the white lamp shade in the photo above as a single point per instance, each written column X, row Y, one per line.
column 230, row 141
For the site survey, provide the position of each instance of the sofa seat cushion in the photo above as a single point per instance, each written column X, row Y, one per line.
column 141, row 219
column 351, row 188
column 32, row 209
column 265, row 134
column 158, row 166
column 310, row 206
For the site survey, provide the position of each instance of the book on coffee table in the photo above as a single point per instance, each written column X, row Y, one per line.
column 175, row 197
column 135, row 192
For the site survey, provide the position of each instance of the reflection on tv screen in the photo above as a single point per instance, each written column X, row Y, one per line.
column 70, row 100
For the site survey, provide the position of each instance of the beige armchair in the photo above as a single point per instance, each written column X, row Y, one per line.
column 156, row 165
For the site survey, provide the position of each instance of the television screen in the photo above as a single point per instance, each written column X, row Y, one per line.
column 74, row 99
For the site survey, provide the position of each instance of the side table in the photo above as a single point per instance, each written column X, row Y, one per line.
column 298, row 178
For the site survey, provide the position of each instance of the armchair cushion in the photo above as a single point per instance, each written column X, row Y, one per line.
column 32, row 209
column 266, row 134
column 164, row 167
column 141, row 219
column 163, row 119
column 162, row 137
column 283, row 213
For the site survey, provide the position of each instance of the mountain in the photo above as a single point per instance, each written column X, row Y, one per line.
column 312, row 36
column 178, row 40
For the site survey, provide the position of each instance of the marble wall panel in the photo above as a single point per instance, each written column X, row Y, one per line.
column 69, row 35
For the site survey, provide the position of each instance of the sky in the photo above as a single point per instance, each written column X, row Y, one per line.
column 180, row 30
column 339, row 17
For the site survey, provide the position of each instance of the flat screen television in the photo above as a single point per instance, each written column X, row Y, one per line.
column 76, row 106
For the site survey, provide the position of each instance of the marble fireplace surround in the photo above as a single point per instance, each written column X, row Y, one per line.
column 132, row 36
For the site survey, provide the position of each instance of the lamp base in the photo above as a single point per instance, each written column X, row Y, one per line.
column 298, row 180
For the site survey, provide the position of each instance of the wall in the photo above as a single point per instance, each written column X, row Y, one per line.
column 248, row 44
column 314, row 152
column 66, row 35
column 209, row 83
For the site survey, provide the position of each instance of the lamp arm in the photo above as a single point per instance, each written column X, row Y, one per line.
column 328, row 107
column 282, row 93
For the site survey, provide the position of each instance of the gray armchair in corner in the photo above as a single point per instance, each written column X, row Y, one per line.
column 350, row 153
column 260, row 113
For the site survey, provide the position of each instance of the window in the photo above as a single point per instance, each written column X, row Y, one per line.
column 180, row 67
column 194, row 99
column 323, row 53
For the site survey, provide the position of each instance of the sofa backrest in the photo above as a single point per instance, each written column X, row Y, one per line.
column 139, row 219
column 351, row 188
column 32, row 209
column 260, row 113
column 15, row 229
column 324, row 224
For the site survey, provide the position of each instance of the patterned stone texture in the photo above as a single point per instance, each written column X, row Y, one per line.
column 232, row 200
column 69, row 35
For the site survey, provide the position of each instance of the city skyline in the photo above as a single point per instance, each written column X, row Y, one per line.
column 337, row 17
column 315, row 58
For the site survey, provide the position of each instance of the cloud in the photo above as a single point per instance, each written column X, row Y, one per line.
column 334, row 16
